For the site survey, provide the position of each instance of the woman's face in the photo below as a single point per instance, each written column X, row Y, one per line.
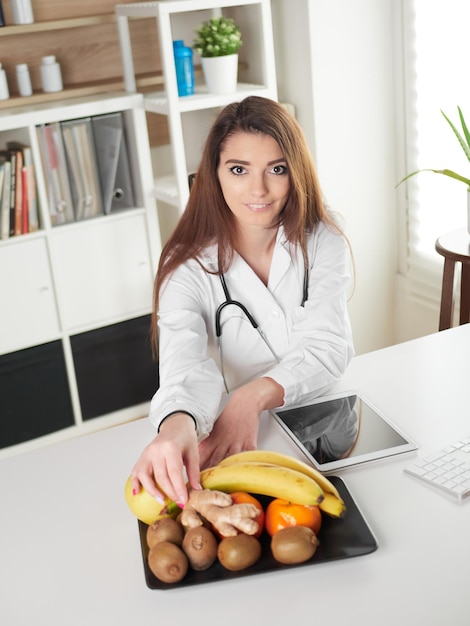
column 254, row 178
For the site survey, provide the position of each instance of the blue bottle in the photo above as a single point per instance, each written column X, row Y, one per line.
column 184, row 68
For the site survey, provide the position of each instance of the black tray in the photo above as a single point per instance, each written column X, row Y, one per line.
column 339, row 539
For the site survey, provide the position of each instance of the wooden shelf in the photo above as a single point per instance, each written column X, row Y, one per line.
column 37, row 27
column 147, row 81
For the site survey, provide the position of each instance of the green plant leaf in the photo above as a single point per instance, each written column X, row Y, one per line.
column 464, row 145
column 464, row 126
column 445, row 172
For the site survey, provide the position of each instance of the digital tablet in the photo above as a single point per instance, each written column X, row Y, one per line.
column 341, row 430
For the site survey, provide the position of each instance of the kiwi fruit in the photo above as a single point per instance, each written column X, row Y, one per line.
column 164, row 529
column 168, row 562
column 294, row 544
column 200, row 546
column 239, row 552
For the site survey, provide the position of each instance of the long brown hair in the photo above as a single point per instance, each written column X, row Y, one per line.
column 208, row 219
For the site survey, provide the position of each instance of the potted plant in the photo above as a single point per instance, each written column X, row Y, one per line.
column 217, row 42
column 465, row 144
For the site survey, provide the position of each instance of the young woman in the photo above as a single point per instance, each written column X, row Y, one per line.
column 250, row 298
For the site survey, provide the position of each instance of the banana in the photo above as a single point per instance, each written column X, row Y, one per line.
column 264, row 479
column 333, row 505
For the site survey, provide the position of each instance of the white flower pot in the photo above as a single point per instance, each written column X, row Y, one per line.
column 221, row 73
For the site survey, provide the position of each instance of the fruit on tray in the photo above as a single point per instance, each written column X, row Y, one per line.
column 282, row 514
column 263, row 478
column 239, row 552
column 168, row 562
column 145, row 507
column 164, row 529
column 200, row 546
column 295, row 544
column 332, row 504
column 223, row 521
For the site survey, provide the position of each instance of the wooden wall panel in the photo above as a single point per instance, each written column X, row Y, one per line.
column 88, row 55
column 45, row 10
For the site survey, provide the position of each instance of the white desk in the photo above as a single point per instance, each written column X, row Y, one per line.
column 70, row 552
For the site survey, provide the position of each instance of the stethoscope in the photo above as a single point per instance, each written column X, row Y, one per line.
column 228, row 302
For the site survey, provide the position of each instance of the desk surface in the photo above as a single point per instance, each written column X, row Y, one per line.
column 70, row 552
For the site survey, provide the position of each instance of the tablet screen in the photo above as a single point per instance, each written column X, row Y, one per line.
column 342, row 430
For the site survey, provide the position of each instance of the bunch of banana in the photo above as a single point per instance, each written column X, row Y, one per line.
column 275, row 474
column 263, row 478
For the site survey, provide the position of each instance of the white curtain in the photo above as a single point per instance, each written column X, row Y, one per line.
column 436, row 76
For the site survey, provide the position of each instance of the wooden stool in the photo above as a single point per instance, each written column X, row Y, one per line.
column 455, row 248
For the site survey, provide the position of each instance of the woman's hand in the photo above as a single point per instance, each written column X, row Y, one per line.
column 236, row 428
column 160, row 468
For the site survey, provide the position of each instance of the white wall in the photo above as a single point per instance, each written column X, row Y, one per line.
column 335, row 63
column 341, row 82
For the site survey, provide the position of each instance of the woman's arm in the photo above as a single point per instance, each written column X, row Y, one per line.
column 320, row 342
column 189, row 378
column 236, row 429
column 172, row 452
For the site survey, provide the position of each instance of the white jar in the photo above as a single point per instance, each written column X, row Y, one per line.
column 4, row 92
column 22, row 11
column 50, row 74
column 24, row 80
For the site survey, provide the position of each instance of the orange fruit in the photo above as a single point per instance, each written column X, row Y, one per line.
column 282, row 514
column 240, row 497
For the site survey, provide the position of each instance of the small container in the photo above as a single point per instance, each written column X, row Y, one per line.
column 184, row 68
column 22, row 11
column 4, row 92
column 51, row 76
column 24, row 80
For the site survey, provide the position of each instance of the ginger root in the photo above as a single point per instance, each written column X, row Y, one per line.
column 218, row 509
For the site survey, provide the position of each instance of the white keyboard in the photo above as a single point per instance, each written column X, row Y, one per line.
column 447, row 469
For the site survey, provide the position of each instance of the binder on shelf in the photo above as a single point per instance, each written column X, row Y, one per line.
column 82, row 167
column 113, row 162
column 55, row 167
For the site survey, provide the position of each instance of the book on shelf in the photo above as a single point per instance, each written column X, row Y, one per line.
column 12, row 192
column 113, row 161
column 2, row 178
column 18, row 210
column 82, row 168
column 57, row 178
column 5, row 201
column 26, row 206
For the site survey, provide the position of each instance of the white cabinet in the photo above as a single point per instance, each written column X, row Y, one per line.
column 76, row 298
column 28, row 313
column 103, row 271
column 187, row 123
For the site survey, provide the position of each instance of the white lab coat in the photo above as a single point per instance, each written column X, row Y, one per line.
column 313, row 343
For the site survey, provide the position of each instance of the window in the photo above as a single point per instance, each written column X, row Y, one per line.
column 436, row 56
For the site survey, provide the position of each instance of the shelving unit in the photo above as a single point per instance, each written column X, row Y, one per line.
column 259, row 47
column 84, row 89
column 76, row 298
